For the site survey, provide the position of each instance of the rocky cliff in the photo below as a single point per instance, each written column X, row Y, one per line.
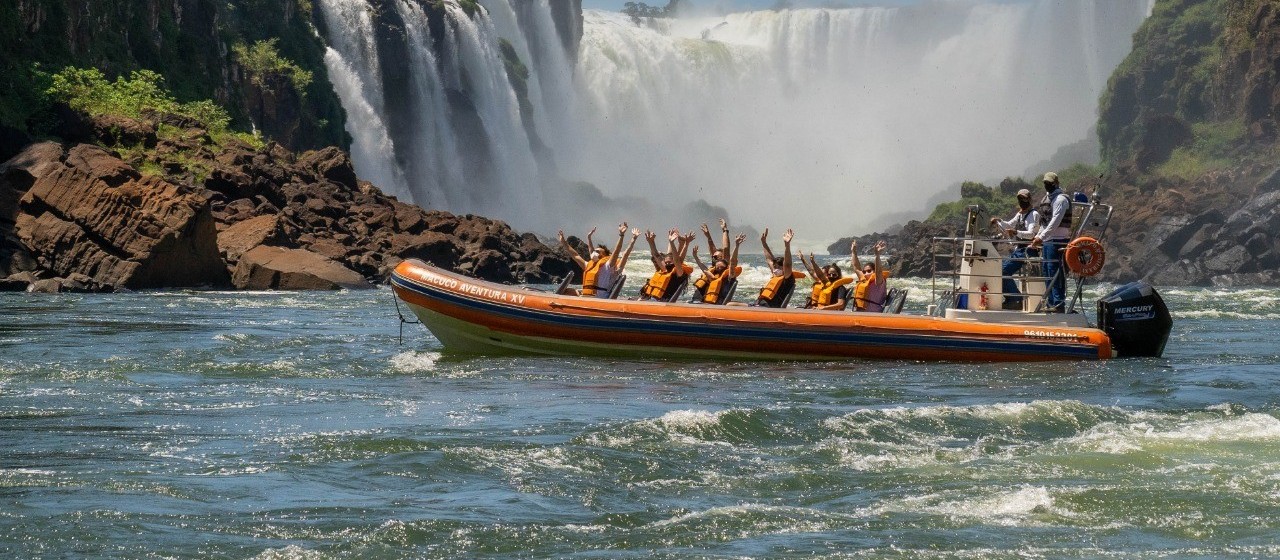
column 189, row 212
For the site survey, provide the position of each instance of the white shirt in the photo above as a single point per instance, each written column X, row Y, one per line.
column 1025, row 225
column 605, row 278
column 1054, row 229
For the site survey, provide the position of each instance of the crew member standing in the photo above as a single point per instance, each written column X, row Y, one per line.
column 1055, row 233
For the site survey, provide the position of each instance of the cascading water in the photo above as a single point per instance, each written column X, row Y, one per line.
column 434, row 116
column 817, row 118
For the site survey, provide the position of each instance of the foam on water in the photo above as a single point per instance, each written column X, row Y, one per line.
column 1017, row 507
column 415, row 362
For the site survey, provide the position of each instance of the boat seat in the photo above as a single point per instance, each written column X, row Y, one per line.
column 728, row 293
column 678, row 290
column 616, row 289
column 786, row 300
column 888, row 301
column 564, row 283
column 895, row 300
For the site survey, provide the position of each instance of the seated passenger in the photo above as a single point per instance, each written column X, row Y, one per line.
column 830, row 287
column 811, row 266
column 671, row 272
column 602, row 270
column 721, row 275
column 870, row 293
column 782, row 281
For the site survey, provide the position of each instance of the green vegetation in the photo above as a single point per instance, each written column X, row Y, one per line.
column 119, row 37
column 973, row 193
column 141, row 96
column 1185, row 64
column 262, row 61
column 188, row 126
column 639, row 10
column 1214, row 146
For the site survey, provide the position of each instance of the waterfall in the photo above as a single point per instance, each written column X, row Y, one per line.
column 821, row 119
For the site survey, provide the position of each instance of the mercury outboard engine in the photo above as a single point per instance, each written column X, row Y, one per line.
column 1136, row 319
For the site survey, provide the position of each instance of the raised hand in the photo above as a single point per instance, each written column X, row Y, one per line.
column 592, row 232
column 560, row 236
column 673, row 235
column 853, row 247
column 649, row 235
column 880, row 245
column 743, row 237
column 786, row 237
column 695, row 250
column 635, row 232
column 723, row 225
column 764, row 236
column 706, row 229
column 622, row 229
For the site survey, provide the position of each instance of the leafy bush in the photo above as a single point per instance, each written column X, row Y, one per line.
column 262, row 60
column 141, row 95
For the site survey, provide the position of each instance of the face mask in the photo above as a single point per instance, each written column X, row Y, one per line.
column 1024, row 203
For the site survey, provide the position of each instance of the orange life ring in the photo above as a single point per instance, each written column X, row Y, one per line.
column 1085, row 256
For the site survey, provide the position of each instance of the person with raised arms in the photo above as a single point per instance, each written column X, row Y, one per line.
column 830, row 286
column 671, row 272
column 870, row 293
column 604, row 267
column 721, row 275
column 717, row 252
column 781, row 281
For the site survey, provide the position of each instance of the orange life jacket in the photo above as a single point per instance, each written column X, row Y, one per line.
column 660, row 282
column 589, row 286
column 775, row 290
column 813, row 296
column 826, row 296
column 716, row 286
column 860, row 293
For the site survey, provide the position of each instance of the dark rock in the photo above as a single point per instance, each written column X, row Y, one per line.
column 1259, row 243
column 431, row 247
column 1228, row 259
column 1201, row 240
column 97, row 216
column 491, row 265
column 277, row 268
column 47, row 286
column 332, row 164
column 239, row 238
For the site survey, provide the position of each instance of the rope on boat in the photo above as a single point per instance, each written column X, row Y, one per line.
column 396, row 300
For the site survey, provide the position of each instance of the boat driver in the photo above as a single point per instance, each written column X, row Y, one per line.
column 1023, row 226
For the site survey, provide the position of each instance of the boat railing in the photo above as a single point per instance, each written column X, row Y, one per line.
column 968, row 271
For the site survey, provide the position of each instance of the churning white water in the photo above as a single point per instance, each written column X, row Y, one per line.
column 821, row 119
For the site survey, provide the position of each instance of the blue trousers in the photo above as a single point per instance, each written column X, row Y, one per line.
column 1010, row 267
column 1055, row 273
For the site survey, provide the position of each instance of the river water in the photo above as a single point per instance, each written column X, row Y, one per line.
column 294, row 425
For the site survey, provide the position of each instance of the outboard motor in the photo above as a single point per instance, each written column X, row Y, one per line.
column 1136, row 319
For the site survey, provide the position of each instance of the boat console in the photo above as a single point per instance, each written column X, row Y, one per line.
column 968, row 284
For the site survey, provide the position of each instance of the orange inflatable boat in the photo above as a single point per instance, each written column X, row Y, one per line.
column 473, row 316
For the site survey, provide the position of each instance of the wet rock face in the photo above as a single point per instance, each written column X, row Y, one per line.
column 87, row 212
